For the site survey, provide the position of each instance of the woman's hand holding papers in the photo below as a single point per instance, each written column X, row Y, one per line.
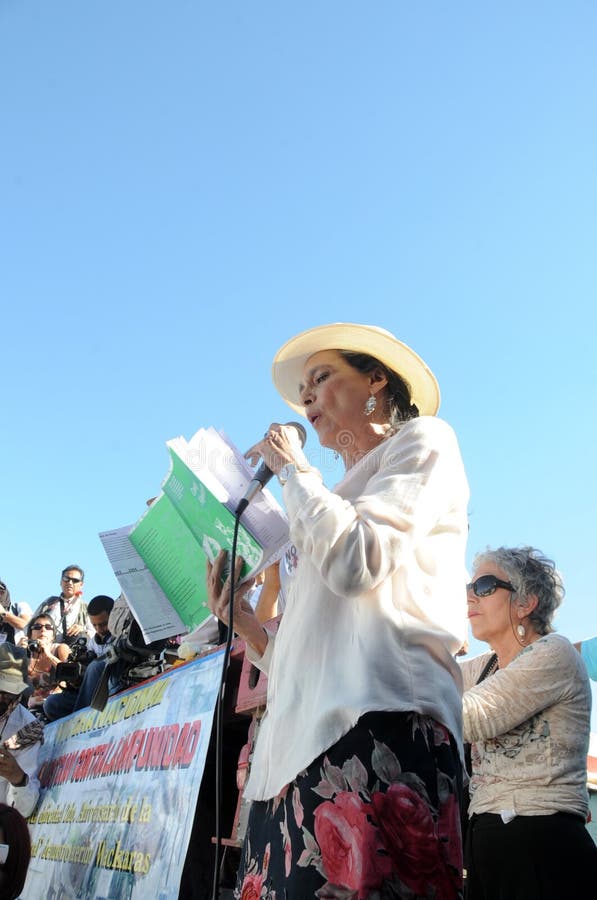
column 245, row 623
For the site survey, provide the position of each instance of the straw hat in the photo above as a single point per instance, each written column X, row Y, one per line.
column 14, row 677
column 289, row 361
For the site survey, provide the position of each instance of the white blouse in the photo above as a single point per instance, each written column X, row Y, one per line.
column 377, row 607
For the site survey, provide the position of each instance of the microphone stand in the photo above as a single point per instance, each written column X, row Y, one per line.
column 220, row 712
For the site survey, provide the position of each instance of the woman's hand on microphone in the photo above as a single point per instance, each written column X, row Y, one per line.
column 245, row 622
column 279, row 446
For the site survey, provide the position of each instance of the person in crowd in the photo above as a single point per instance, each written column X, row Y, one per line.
column 528, row 721
column 77, row 695
column 44, row 652
column 13, row 617
column 272, row 599
column 99, row 610
column 588, row 651
column 21, row 734
column 356, row 774
column 267, row 602
column 113, row 672
column 15, row 852
column 67, row 610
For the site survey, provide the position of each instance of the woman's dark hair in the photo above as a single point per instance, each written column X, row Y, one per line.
column 15, row 832
column 36, row 618
column 401, row 407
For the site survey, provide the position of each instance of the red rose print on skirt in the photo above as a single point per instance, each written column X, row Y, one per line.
column 352, row 850
column 251, row 889
column 410, row 835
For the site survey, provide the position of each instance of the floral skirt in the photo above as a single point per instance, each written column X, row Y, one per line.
column 375, row 817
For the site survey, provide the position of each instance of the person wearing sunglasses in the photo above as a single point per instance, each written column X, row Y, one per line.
column 67, row 610
column 44, row 653
column 526, row 711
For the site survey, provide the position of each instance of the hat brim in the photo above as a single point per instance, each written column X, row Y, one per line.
column 12, row 685
column 289, row 361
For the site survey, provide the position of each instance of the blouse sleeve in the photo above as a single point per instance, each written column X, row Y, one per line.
column 262, row 662
column 24, row 798
column 535, row 680
column 357, row 544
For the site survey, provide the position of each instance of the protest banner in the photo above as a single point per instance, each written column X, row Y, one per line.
column 119, row 789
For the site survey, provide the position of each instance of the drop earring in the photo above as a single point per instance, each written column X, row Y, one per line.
column 370, row 404
column 521, row 631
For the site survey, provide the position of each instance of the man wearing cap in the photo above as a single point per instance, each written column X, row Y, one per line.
column 21, row 735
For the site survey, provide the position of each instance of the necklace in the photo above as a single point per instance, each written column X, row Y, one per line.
column 493, row 667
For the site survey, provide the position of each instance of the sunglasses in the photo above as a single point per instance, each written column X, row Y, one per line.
column 41, row 626
column 486, row 585
column 72, row 580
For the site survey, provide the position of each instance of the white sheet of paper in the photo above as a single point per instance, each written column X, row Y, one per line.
column 148, row 603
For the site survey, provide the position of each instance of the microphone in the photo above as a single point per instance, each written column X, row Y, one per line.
column 264, row 473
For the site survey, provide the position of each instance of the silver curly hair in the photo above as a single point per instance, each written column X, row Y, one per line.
column 531, row 573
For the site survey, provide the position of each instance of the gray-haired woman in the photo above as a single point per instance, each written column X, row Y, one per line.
column 528, row 722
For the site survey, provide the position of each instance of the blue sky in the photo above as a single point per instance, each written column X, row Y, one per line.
column 184, row 185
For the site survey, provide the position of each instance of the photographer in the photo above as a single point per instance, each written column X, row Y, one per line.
column 44, row 655
column 67, row 610
column 99, row 610
column 128, row 660
column 82, row 652
column 13, row 617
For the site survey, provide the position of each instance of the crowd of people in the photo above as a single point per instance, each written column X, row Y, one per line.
column 62, row 632
column 376, row 727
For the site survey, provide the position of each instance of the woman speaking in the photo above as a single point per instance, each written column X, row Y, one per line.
column 356, row 774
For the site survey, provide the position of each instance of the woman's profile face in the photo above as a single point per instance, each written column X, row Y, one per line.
column 490, row 616
column 334, row 396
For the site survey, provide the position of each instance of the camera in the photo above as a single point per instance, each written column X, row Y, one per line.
column 33, row 647
column 73, row 669
column 128, row 660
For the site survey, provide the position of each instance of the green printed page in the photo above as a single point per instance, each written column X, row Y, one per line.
column 170, row 552
column 207, row 518
column 180, row 529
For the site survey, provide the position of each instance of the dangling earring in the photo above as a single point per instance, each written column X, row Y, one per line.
column 370, row 404
column 521, row 630
column 336, row 455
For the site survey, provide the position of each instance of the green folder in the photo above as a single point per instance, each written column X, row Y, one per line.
column 185, row 526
